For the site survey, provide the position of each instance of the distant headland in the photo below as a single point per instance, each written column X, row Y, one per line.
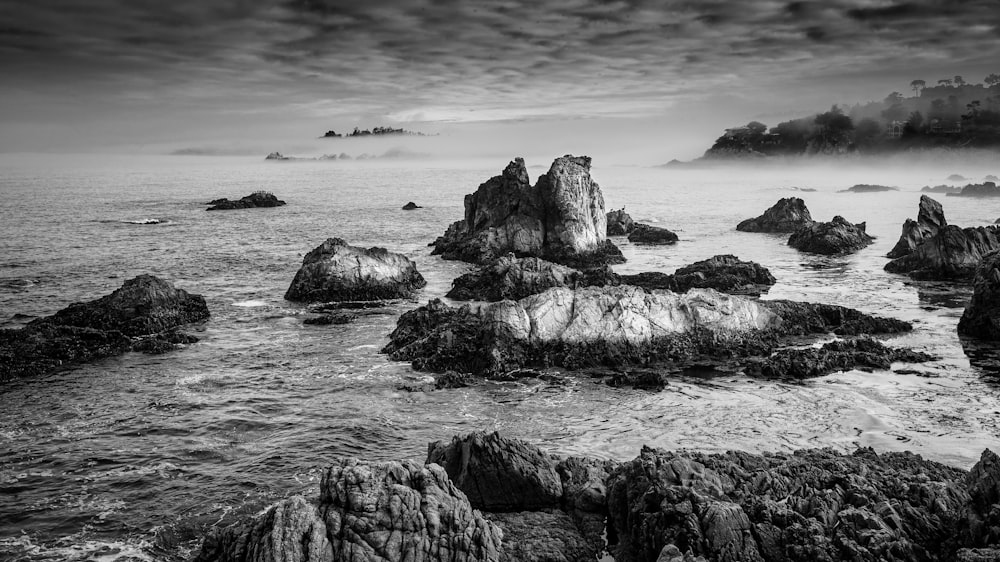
column 376, row 131
column 952, row 114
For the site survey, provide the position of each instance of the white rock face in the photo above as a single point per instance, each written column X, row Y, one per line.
column 337, row 271
column 625, row 314
column 575, row 215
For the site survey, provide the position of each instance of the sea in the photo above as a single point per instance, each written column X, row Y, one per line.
column 139, row 456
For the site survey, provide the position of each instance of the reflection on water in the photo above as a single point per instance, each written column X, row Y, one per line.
column 943, row 295
column 985, row 356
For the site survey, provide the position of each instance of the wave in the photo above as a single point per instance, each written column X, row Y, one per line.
column 135, row 221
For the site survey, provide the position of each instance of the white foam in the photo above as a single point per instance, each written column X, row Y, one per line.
column 251, row 304
column 145, row 221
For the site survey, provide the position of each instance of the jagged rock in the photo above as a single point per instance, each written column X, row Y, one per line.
column 787, row 215
column 985, row 189
column 930, row 220
column 646, row 234
column 724, row 273
column 983, row 481
column 560, row 219
column 981, row 318
column 868, row 188
column 139, row 315
column 840, row 355
column 367, row 512
column 811, row 505
column 499, row 473
column 276, row 156
column 547, row 535
column 829, row 238
column 802, row 318
column 513, row 278
column 978, row 555
column 336, row 271
column 619, row 223
column 255, row 199
column 952, row 254
column 411, row 206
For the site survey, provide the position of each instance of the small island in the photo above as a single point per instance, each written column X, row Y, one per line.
column 375, row 131
column 254, row 200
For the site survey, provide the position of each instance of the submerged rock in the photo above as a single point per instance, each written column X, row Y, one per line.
column 930, row 220
column 953, row 253
column 831, row 238
column 981, row 318
column 366, row 512
column 140, row 315
column 560, row 219
column 512, row 278
column 646, row 234
column 337, row 271
column 787, row 215
column 255, row 199
column 619, row 223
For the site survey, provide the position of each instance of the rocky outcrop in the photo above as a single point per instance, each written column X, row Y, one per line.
column 654, row 235
column 411, row 206
column 336, row 271
column 840, row 355
column 610, row 326
column 512, row 278
column 868, row 188
column 619, row 223
column 930, row 221
column 560, row 219
column 725, row 273
column 836, row 237
column 787, row 215
column 255, row 199
column 366, row 512
column 981, row 318
column 985, row 189
column 811, row 505
column 141, row 315
column 953, row 253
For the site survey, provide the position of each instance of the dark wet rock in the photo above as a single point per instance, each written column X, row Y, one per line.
column 255, row 199
column 619, row 223
column 513, row 278
column 366, row 512
column 336, row 271
column 840, row 355
column 616, row 326
column 499, row 473
column 868, row 188
column 548, row 535
column 930, row 221
column 561, row 218
column 646, row 234
column 810, row 505
column 411, row 206
column 978, row 555
column 941, row 189
column 329, row 319
column 981, row 318
column 725, row 273
column 983, row 481
column 787, row 215
column 953, row 253
column 836, row 237
column 985, row 189
column 141, row 315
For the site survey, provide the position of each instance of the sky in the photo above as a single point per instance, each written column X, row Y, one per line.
column 651, row 79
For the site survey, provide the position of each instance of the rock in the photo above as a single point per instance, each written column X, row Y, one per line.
column 941, row 189
column 367, row 512
column 985, row 189
column 548, row 535
column 276, row 156
column 787, row 215
column 336, row 271
column 981, row 318
column 411, row 206
column 724, row 273
column 255, row 199
column 560, row 219
column 840, row 355
column 831, row 238
column 140, row 315
column 868, row 188
column 498, row 473
column 328, row 319
column 983, row 483
column 978, row 555
column 930, row 220
column 810, row 505
column 513, row 278
column 619, row 223
column 952, row 254
column 803, row 318
column 646, row 234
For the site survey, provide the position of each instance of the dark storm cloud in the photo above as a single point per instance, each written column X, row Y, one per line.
column 450, row 59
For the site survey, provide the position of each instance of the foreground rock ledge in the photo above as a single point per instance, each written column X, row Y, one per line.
column 337, row 271
column 142, row 315
column 496, row 498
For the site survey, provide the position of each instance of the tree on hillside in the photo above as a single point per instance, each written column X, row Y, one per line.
column 992, row 79
column 917, row 85
column 893, row 98
column 834, row 131
column 944, row 82
column 895, row 112
column 959, row 81
column 867, row 132
column 914, row 123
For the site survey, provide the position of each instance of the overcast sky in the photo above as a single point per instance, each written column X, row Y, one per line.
column 155, row 75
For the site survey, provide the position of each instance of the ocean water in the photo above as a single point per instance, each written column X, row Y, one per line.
column 135, row 457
